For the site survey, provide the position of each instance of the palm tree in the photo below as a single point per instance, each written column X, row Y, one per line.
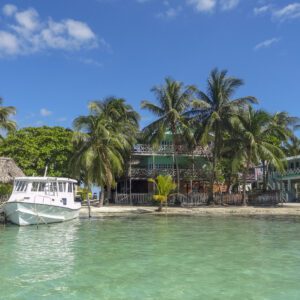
column 292, row 147
column 102, row 141
column 164, row 186
column 212, row 114
column 5, row 123
column 253, row 139
column 173, row 101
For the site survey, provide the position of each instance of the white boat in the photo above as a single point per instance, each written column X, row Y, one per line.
column 42, row 200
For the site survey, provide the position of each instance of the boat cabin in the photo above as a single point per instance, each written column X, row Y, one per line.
column 44, row 185
column 46, row 200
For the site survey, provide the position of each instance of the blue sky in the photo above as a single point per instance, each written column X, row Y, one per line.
column 55, row 56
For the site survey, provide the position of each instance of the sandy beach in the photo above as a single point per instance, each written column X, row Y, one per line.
column 291, row 209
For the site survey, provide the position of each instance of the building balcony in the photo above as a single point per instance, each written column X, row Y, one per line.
column 186, row 174
column 287, row 173
column 144, row 149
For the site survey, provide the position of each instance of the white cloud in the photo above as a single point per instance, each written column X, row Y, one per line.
column 267, row 43
column 228, row 4
column 45, row 112
column 8, row 43
column 170, row 13
column 290, row 11
column 25, row 33
column 79, row 30
column 262, row 9
column 211, row 5
column 9, row 9
column 90, row 61
column 203, row 5
column 28, row 19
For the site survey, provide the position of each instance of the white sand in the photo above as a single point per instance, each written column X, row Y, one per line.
column 285, row 210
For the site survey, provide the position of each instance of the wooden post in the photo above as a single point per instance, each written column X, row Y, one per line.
column 130, row 198
column 153, row 170
column 193, row 173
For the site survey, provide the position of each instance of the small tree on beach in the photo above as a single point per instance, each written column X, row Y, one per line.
column 164, row 185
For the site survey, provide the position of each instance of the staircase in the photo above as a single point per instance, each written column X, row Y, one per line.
column 285, row 196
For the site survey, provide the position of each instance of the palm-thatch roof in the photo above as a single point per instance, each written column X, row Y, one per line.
column 9, row 170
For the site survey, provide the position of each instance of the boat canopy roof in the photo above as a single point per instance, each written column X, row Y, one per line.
column 47, row 179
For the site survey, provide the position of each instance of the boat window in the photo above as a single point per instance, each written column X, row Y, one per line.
column 35, row 186
column 52, row 187
column 42, row 186
column 70, row 187
column 62, row 187
column 21, row 186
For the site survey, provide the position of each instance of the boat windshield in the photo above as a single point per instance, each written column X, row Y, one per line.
column 21, row 186
column 53, row 187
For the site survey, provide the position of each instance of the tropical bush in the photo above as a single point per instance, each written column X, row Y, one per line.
column 164, row 186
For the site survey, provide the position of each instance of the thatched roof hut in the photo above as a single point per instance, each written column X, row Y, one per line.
column 9, row 170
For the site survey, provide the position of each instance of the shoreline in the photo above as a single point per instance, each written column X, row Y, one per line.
column 110, row 211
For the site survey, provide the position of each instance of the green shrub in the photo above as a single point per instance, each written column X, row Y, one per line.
column 5, row 189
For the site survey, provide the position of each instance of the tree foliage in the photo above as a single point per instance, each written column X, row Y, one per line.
column 103, row 140
column 164, row 185
column 6, row 124
column 213, row 112
column 34, row 148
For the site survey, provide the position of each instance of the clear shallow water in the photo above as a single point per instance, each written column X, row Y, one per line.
column 152, row 257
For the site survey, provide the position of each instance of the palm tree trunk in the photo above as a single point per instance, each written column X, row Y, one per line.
column 108, row 194
column 211, row 184
column 245, row 179
column 101, row 199
column 160, row 206
column 213, row 174
column 267, row 176
column 264, row 175
column 244, row 187
column 88, row 201
column 229, row 182
column 174, row 142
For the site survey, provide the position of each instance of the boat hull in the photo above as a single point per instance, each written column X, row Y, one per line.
column 24, row 213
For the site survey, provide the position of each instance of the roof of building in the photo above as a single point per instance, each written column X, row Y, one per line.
column 292, row 157
column 40, row 178
column 9, row 170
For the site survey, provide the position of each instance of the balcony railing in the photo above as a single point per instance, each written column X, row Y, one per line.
column 144, row 149
column 270, row 198
column 183, row 173
column 288, row 172
column 185, row 200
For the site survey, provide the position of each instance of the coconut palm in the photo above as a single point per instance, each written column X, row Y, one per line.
column 5, row 123
column 102, row 140
column 173, row 100
column 286, row 122
column 292, row 146
column 164, row 186
column 253, row 139
column 212, row 114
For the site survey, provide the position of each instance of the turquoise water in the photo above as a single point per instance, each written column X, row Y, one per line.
column 152, row 257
